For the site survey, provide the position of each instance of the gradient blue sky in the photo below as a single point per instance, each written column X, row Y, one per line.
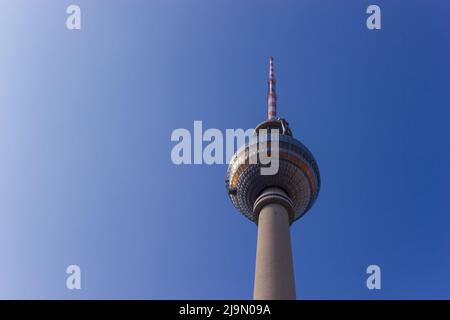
column 86, row 117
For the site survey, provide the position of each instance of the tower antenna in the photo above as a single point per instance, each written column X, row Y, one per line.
column 271, row 95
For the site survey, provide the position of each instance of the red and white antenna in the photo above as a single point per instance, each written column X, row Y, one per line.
column 271, row 96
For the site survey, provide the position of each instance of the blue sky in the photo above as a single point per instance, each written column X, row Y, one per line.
column 85, row 124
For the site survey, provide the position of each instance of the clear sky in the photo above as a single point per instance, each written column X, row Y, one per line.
column 86, row 117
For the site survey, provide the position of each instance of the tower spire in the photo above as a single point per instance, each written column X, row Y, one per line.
column 271, row 95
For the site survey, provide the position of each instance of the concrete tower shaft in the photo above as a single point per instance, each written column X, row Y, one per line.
column 274, row 273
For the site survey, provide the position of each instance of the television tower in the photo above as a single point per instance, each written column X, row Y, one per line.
column 274, row 201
